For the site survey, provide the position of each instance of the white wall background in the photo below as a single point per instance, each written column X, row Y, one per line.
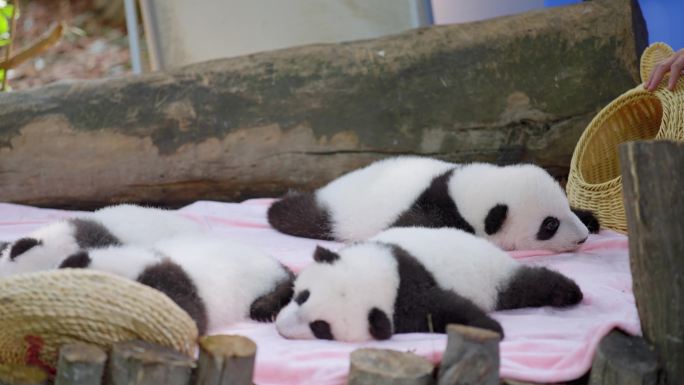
column 460, row 11
column 191, row 31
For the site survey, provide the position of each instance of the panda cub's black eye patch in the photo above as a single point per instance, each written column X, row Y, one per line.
column 321, row 330
column 548, row 228
column 302, row 297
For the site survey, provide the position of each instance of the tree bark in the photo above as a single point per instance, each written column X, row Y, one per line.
column 512, row 89
column 388, row 367
column 653, row 188
column 226, row 360
column 80, row 364
column 142, row 363
column 471, row 357
column 624, row 360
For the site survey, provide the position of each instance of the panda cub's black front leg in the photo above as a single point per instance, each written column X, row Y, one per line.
column 536, row 287
column 267, row 307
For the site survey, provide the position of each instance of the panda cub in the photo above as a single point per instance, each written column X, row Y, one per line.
column 408, row 280
column 111, row 226
column 216, row 281
column 516, row 207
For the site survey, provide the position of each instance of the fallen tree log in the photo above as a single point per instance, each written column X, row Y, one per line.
column 519, row 88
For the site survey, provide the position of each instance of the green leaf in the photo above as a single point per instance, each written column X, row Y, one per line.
column 8, row 11
column 4, row 25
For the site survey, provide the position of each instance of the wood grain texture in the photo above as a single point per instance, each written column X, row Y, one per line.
column 388, row 367
column 653, row 186
column 142, row 363
column 511, row 89
column 471, row 357
column 226, row 360
column 624, row 360
column 80, row 364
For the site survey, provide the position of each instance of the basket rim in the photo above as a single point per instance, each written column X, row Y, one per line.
column 597, row 124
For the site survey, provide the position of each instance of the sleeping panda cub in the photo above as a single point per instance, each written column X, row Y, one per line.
column 414, row 280
column 516, row 207
column 117, row 225
column 216, row 281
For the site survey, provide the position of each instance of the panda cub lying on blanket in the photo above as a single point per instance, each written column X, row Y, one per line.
column 414, row 280
column 215, row 281
column 117, row 225
column 516, row 207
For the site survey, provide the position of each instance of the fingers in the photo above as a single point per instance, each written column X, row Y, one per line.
column 675, row 72
column 674, row 64
column 659, row 72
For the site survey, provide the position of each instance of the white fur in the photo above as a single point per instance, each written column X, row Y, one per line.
column 459, row 261
column 139, row 225
column 531, row 195
column 378, row 193
column 228, row 276
column 57, row 243
column 366, row 201
column 342, row 293
column 134, row 225
column 366, row 276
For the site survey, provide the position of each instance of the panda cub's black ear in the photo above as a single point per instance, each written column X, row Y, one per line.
column 495, row 218
column 21, row 246
column 379, row 325
column 588, row 218
column 323, row 255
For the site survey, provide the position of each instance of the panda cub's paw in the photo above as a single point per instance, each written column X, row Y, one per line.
column 589, row 219
column 536, row 287
column 267, row 307
column 565, row 292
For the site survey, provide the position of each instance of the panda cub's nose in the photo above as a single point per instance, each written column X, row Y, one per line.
column 583, row 240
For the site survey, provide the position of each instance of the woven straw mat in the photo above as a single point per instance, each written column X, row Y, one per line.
column 41, row 311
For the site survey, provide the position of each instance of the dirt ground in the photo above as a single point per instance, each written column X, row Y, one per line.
column 91, row 47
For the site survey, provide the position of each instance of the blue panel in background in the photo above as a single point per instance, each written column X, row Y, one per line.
column 664, row 19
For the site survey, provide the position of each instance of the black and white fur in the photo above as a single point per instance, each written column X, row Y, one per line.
column 216, row 281
column 117, row 225
column 414, row 280
column 516, row 207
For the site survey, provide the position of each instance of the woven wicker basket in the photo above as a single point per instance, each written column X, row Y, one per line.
column 594, row 182
column 39, row 312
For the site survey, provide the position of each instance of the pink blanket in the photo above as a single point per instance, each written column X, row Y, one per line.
column 541, row 345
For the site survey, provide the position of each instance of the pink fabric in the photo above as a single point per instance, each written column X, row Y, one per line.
column 541, row 345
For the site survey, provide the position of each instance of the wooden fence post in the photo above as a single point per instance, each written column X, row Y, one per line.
column 142, row 363
column 623, row 360
column 653, row 189
column 471, row 357
column 226, row 360
column 388, row 367
column 80, row 364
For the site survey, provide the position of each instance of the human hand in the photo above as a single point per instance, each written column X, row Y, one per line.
column 674, row 64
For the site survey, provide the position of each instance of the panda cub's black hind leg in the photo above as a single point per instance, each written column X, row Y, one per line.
column 267, row 307
column 536, row 287
column 436, row 308
column 298, row 214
